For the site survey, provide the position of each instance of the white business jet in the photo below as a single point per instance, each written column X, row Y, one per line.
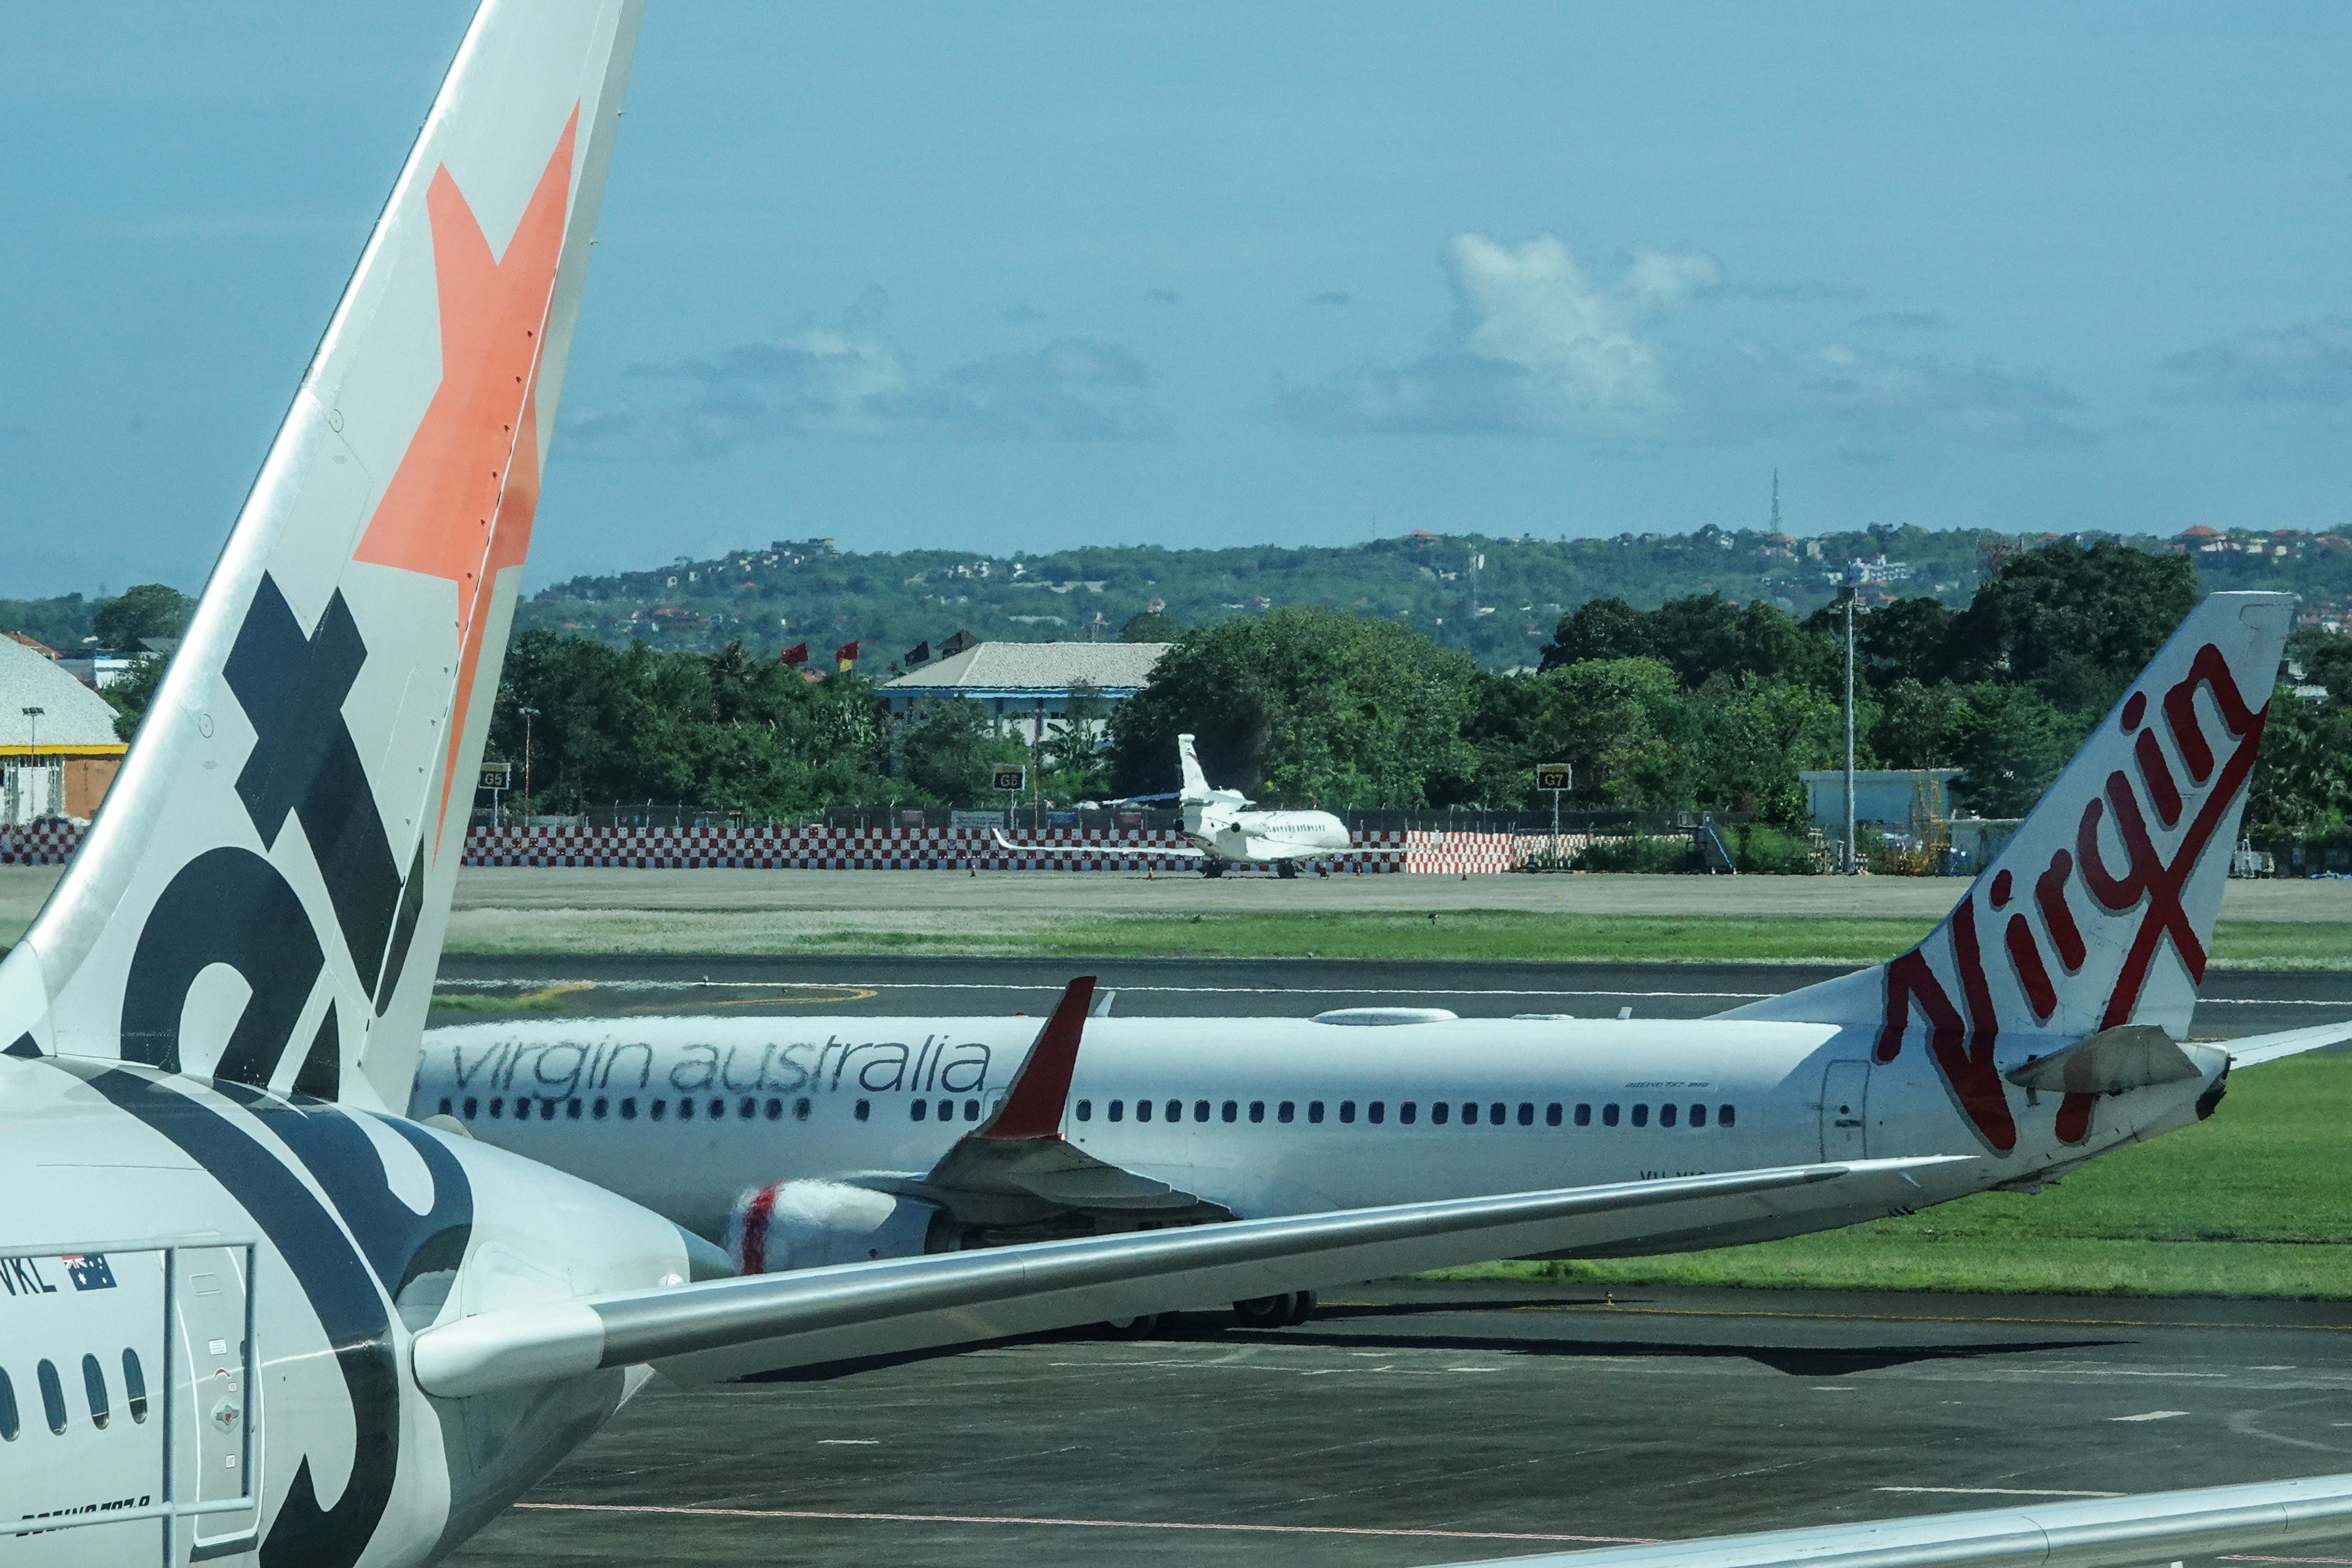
column 1220, row 830
column 2044, row 1021
column 248, row 1313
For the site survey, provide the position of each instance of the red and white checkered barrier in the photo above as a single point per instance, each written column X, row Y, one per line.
column 49, row 844
column 935, row 849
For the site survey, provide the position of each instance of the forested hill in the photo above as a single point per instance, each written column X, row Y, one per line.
column 1497, row 599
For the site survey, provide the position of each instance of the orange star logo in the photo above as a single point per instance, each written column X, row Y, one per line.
column 459, row 506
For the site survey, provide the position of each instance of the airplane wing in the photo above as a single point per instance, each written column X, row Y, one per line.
column 1017, row 1169
column 1175, row 851
column 727, row 1328
column 2104, row 1532
column 2255, row 1050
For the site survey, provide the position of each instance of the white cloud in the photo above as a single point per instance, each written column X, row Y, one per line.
column 1539, row 347
column 2308, row 363
column 848, row 382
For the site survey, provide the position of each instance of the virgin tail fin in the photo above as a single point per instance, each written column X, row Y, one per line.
column 263, row 896
column 2099, row 909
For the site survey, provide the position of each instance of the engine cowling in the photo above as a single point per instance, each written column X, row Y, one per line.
column 808, row 1225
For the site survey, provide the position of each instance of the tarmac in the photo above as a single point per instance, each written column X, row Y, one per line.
column 1423, row 1422
column 2232, row 1002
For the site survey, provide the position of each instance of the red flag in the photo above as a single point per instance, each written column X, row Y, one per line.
column 845, row 655
column 796, row 654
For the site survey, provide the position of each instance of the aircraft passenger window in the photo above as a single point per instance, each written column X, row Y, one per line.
column 1469, row 1113
column 629, row 1109
column 801, row 1110
column 93, row 1388
column 1376, row 1113
column 1347, row 1111
column 472, row 1105
column 1406, row 1111
column 1495, row 1112
column 53, row 1397
column 972, row 1110
column 685, row 1109
column 135, row 1388
column 1143, row 1111
column 1666, row 1115
column 865, row 1108
column 947, row 1110
column 547, row 1110
column 1086, row 1110
column 8, row 1425
column 1314, row 1110
column 1176, row 1110
column 1584, row 1116
column 918, row 1110
column 444, row 1105
column 660, row 1108
column 1608, row 1115
column 498, row 1105
column 1116, row 1109
column 1230, row 1111
column 1257, row 1110
column 572, row 1109
column 1284, row 1111
column 601, row 1109
column 718, row 1109
column 1439, row 1110
column 746, row 1109
column 1200, row 1110
column 773, row 1110
column 1551, row 1114
column 1526, row 1113
column 1725, row 1116
column 1698, row 1116
column 1641, row 1116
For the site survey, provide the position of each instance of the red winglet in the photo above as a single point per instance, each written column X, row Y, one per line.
column 1032, row 1106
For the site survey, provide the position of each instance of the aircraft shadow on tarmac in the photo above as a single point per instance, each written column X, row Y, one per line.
column 1796, row 1360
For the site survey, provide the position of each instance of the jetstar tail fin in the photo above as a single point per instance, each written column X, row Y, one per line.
column 263, row 896
column 2097, row 912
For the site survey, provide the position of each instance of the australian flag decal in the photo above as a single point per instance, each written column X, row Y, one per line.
column 90, row 1272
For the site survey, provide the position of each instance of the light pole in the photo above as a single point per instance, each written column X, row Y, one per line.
column 527, row 715
column 1849, row 734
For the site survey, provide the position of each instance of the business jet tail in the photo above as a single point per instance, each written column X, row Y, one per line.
column 263, row 897
column 1196, row 782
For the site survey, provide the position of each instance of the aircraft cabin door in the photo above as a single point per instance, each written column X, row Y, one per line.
column 214, row 1403
column 1844, row 1089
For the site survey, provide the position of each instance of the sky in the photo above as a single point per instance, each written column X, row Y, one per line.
column 1007, row 278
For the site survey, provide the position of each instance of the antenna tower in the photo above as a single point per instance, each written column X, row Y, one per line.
column 1775, row 501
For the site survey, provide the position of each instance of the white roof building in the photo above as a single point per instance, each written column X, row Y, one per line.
column 72, row 714
column 1029, row 681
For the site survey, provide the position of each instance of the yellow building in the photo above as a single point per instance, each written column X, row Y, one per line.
column 57, row 747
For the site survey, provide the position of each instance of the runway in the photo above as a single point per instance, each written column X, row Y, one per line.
column 1418, row 1422
column 2236, row 1003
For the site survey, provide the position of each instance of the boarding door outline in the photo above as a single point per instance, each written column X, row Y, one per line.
column 1845, row 1093
column 216, row 1397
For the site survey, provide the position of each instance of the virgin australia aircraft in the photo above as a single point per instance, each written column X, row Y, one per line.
column 2044, row 1023
column 246, row 1312
column 1220, row 830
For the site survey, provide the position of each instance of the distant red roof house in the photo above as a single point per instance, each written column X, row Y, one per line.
column 2199, row 531
column 44, row 649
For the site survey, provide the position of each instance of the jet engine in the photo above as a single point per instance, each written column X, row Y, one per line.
column 808, row 1225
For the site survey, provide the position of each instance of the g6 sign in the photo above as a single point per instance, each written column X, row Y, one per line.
column 1011, row 779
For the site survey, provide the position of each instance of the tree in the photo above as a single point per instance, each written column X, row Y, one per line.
column 1598, row 629
column 1076, row 768
column 1908, row 640
column 950, row 755
column 2011, row 744
column 149, row 610
column 1152, row 626
column 1304, row 706
column 133, row 691
column 2076, row 624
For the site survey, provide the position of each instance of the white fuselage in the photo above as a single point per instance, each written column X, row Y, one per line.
column 1264, row 1116
column 1230, row 834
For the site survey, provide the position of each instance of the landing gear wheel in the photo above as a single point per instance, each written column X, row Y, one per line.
column 1263, row 1312
column 1302, row 1308
column 1213, row 868
column 1138, row 1328
column 1286, row 869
